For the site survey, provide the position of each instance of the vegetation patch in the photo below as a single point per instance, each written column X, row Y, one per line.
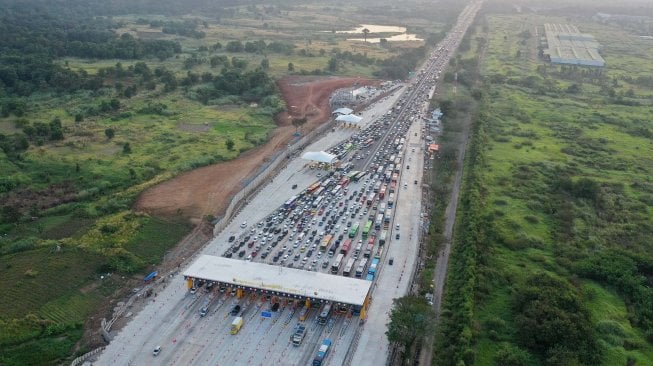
column 551, row 203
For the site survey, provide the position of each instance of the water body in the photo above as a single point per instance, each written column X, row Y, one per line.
column 376, row 29
column 395, row 38
column 402, row 36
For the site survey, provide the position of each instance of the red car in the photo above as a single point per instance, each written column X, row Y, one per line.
column 254, row 254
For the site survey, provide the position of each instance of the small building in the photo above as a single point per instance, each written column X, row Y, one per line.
column 566, row 45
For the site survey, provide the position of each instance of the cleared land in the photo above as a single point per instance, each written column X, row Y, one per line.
column 208, row 190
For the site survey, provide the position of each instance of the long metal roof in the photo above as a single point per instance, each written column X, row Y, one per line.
column 290, row 281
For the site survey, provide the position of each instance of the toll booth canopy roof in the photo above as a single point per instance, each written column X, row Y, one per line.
column 280, row 279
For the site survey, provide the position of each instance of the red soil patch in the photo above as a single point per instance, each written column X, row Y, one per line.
column 208, row 190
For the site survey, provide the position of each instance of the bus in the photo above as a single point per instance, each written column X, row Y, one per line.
column 345, row 247
column 318, row 191
column 335, row 267
column 361, row 268
column 325, row 313
column 373, row 267
column 370, row 198
column 384, row 187
column 379, row 170
column 378, row 222
column 354, row 230
column 382, row 207
column 344, row 182
column 290, row 203
column 318, row 202
column 324, row 244
column 391, row 200
column 382, row 238
column 358, row 249
column 368, row 250
column 326, row 182
column 367, row 228
column 336, row 190
column 322, row 353
column 352, row 175
column 377, row 187
column 348, row 267
column 387, row 216
column 368, row 142
column 313, row 187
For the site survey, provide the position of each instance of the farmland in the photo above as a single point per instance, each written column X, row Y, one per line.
column 552, row 262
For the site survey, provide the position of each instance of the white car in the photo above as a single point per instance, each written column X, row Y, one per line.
column 243, row 225
column 193, row 290
column 156, row 351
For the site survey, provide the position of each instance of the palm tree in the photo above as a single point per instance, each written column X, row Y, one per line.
column 365, row 33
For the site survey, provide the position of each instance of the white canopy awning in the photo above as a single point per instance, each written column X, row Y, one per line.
column 349, row 118
column 342, row 111
column 319, row 156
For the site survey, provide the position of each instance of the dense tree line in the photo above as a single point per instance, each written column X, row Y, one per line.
column 399, row 66
column 186, row 28
column 34, row 36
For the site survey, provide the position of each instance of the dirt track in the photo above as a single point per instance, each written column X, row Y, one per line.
column 208, row 190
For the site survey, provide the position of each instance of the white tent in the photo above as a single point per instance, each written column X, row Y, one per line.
column 349, row 118
column 319, row 156
column 342, row 111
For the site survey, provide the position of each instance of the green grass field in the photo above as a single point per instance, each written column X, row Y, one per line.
column 537, row 133
column 533, row 137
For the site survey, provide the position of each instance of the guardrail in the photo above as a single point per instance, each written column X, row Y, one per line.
column 85, row 356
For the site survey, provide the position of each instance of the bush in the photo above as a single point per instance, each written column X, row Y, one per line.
column 552, row 321
column 510, row 355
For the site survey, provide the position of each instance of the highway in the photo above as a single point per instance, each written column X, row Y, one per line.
column 172, row 319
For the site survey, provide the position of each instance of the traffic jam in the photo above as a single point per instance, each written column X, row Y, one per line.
column 340, row 223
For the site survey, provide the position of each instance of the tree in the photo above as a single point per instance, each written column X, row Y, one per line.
column 109, row 133
column 79, row 117
column 553, row 322
column 126, row 149
column 509, row 355
column 265, row 64
column 333, row 64
column 411, row 318
column 291, row 67
column 365, row 33
column 298, row 122
column 383, row 42
column 230, row 144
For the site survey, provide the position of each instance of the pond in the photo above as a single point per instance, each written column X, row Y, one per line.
column 400, row 37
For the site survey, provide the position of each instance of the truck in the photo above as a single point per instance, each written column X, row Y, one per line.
column 298, row 336
column 236, row 324
column 322, row 353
